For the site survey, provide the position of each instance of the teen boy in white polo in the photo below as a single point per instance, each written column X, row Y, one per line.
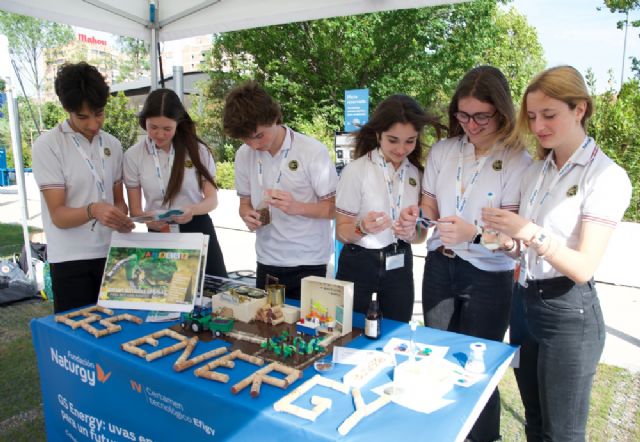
column 286, row 182
column 78, row 168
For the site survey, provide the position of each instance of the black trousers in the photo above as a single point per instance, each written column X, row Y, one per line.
column 76, row 283
column 366, row 268
column 289, row 276
column 215, row 260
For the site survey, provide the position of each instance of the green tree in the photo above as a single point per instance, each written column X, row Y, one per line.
column 121, row 120
column 52, row 114
column 136, row 58
column 616, row 128
column 421, row 52
column 626, row 7
column 28, row 39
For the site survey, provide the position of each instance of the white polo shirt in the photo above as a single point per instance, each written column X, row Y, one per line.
column 363, row 188
column 595, row 190
column 140, row 171
column 500, row 174
column 310, row 176
column 57, row 164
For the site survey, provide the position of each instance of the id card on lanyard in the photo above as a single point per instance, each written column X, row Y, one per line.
column 172, row 227
column 393, row 259
column 532, row 208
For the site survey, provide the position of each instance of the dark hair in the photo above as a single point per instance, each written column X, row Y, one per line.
column 165, row 103
column 80, row 83
column 489, row 85
column 395, row 109
column 246, row 107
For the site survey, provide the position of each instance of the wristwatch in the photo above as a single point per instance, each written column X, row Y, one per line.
column 359, row 230
column 478, row 237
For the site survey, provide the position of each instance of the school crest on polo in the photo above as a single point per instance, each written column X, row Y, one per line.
column 412, row 182
column 293, row 165
column 107, row 152
column 188, row 164
column 497, row 165
column 572, row 191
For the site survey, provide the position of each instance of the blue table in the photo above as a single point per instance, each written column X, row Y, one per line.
column 92, row 390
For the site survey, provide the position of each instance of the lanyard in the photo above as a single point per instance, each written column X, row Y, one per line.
column 532, row 209
column 285, row 154
column 461, row 199
column 99, row 181
column 395, row 204
column 156, row 162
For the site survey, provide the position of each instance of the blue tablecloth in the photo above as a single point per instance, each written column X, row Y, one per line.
column 92, row 390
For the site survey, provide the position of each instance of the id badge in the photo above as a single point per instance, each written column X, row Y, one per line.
column 174, row 228
column 394, row 261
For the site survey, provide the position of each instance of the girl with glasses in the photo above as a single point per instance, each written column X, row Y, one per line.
column 467, row 283
column 571, row 201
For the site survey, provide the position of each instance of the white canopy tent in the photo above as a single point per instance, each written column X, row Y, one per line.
column 160, row 20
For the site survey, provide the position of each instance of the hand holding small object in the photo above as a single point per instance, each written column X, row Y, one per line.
column 454, row 230
column 376, row 222
column 405, row 226
column 284, row 201
column 251, row 219
column 185, row 217
column 509, row 223
column 110, row 216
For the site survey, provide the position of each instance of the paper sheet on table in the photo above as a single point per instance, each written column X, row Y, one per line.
column 462, row 377
column 422, row 405
column 401, row 347
column 351, row 356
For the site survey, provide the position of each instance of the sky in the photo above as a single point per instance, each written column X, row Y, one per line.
column 574, row 32
column 571, row 32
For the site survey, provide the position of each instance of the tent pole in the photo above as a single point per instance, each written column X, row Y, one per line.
column 153, row 62
column 16, row 142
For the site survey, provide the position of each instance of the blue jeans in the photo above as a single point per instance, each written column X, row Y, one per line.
column 366, row 268
column 459, row 297
column 560, row 329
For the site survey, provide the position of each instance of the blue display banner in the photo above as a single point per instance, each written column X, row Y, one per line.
column 356, row 109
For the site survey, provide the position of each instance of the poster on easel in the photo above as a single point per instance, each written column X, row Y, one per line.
column 154, row 271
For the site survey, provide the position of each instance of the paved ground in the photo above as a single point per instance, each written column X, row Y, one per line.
column 621, row 305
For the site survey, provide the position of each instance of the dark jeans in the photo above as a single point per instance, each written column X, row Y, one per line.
column 366, row 268
column 560, row 329
column 289, row 276
column 459, row 297
column 215, row 260
column 76, row 283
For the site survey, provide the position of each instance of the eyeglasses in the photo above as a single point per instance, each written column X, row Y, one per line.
column 481, row 118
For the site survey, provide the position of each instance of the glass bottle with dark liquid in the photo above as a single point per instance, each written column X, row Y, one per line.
column 373, row 320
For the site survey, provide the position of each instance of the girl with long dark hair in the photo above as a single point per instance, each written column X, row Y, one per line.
column 174, row 169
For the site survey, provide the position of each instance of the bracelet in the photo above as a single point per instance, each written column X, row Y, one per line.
column 89, row 213
column 360, row 229
column 548, row 253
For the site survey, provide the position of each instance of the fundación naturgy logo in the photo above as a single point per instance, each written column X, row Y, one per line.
column 86, row 371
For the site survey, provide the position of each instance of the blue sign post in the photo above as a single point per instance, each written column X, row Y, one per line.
column 356, row 114
column 356, row 109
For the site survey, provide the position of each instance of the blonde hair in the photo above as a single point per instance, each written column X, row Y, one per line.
column 563, row 83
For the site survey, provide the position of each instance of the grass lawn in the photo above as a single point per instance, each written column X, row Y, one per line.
column 614, row 414
column 11, row 239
